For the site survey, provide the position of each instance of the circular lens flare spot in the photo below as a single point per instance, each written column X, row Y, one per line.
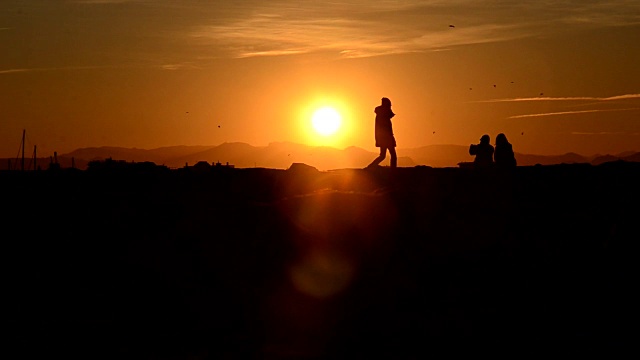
column 321, row 274
column 326, row 121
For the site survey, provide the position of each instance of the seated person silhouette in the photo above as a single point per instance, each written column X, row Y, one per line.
column 483, row 152
column 503, row 155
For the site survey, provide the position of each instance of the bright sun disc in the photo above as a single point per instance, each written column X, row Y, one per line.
column 326, row 121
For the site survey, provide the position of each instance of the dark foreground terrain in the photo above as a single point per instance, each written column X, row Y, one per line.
column 277, row 264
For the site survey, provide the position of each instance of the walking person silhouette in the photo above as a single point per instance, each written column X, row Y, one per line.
column 384, row 134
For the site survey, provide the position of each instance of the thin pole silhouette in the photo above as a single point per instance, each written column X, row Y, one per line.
column 23, row 135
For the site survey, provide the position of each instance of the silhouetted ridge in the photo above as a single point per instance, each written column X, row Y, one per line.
column 282, row 154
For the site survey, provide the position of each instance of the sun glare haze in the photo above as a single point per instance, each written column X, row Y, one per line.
column 555, row 77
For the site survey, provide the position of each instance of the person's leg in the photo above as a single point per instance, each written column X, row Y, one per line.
column 394, row 157
column 378, row 160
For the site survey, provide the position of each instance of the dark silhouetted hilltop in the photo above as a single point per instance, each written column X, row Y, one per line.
column 280, row 155
column 158, row 156
column 627, row 156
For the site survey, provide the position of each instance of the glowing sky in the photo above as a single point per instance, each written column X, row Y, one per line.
column 555, row 76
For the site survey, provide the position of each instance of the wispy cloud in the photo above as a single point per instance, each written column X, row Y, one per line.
column 348, row 28
column 11, row 71
column 103, row 1
column 350, row 38
column 278, row 33
column 359, row 28
column 597, row 133
column 568, row 113
column 576, row 98
column 623, row 97
column 179, row 66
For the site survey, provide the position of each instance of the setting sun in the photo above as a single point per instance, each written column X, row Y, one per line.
column 326, row 121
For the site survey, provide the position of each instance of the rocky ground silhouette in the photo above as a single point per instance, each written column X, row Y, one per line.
column 153, row 263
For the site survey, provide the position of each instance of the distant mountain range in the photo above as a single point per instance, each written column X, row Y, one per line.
column 283, row 154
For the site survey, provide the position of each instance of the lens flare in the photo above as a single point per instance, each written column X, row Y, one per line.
column 322, row 274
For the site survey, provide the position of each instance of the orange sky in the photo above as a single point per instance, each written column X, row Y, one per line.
column 555, row 77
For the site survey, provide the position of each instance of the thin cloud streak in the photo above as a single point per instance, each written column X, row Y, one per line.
column 568, row 113
column 179, row 66
column 577, row 98
column 12, row 71
column 598, row 133
column 91, row 2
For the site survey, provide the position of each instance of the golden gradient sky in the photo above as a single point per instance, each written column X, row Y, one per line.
column 555, row 76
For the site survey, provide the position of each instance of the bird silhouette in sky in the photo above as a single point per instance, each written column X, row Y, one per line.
column 541, row 94
column 451, row 26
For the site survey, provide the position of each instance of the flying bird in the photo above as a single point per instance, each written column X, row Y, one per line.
column 541, row 94
column 451, row 26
